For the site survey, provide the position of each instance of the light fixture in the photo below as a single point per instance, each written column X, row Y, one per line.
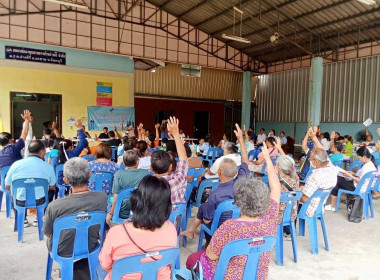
column 368, row 2
column 274, row 38
column 153, row 70
column 72, row 3
column 236, row 38
column 233, row 37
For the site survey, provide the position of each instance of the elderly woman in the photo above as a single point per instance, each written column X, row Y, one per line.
column 257, row 165
column 103, row 163
column 149, row 229
column 259, row 210
column 231, row 152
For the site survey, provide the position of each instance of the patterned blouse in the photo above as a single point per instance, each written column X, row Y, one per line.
column 232, row 230
column 294, row 183
column 96, row 166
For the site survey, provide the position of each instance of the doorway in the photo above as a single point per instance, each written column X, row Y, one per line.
column 201, row 124
column 44, row 107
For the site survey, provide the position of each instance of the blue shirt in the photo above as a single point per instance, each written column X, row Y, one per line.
column 223, row 192
column 164, row 134
column 30, row 167
column 11, row 153
column 284, row 140
column 204, row 148
column 336, row 157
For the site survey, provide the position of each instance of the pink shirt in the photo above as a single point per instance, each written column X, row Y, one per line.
column 118, row 245
column 273, row 152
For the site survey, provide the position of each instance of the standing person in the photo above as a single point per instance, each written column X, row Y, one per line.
column 33, row 166
column 11, row 150
column 259, row 209
column 76, row 174
column 261, row 137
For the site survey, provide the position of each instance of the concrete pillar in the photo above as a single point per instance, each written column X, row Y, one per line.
column 246, row 100
column 315, row 91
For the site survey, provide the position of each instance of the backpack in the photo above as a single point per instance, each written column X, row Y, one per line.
column 354, row 209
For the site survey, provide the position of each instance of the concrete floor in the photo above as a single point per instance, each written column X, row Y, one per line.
column 354, row 252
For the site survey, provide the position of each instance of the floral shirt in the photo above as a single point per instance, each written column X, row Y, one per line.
column 232, row 230
column 294, row 183
column 96, row 166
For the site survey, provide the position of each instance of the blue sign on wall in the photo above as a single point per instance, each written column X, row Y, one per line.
column 35, row 55
column 99, row 117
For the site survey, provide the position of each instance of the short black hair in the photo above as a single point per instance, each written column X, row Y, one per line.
column 111, row 133
column 160, row 162
column 164, row 140
column 46, row 131
column 105, row 128
column 171, row 147
column 188, row 150
column 36, row 146
column 5, row 137
column 282, row 132
column 340, row 138
column 151, row 203
column 338, row 146
column 263, row 129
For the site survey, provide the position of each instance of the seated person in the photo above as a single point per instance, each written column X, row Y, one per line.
column 257, row 165
column 149, row 229
column 368, row 138
column 127, row 178
column 162, row 167
column 193, row 160
column 336, row 149
column 376, row 194
column 53, row 144
column 103, row 163
column 104, row 134
column 113, row 141
column 181, row 133
column 144, row 162
column 203, row 147
column 33, row 166
column 261, row 137
column 366, row 158
column 259, row 206
column 77, row 174
column 221, row 142
column 325, row 140
column 284, row 140
column 11, row 150
column 248, row 144
column 349, row 147
column 227, row 174
column 230, row 152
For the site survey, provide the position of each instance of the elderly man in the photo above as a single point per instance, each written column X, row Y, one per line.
column 32, row 166
column 130, row 177
column 76, row 173
column 323, row 177
column 228, row 175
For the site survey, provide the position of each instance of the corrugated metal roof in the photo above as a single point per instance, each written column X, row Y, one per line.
column 294, row 19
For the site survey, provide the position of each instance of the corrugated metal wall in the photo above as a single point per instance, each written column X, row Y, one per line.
column 350, row 93
column 167, row 81
column 283, row 96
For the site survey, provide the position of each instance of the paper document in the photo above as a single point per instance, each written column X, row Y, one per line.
column 341, row 172
column 368, row 122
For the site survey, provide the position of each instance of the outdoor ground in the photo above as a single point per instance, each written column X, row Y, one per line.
column 354, row 252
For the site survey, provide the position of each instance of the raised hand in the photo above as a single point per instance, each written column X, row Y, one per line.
column 238, row 132
column 332, row 136
column 114, row 128
column 173, row 127
column 157, row 125
column 277, row 144
column 78, row 123
column 265, row 151
column 54, row 125
column 26, row 115
column 96, row 137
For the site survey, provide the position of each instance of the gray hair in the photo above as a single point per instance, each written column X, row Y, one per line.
column 130, row 158
column 76, row 171
column 230, row 147
column 252, row 196
column 228, row 168
column 286, row 163
column 320, row 155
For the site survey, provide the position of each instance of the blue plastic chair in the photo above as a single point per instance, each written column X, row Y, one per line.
column 225, row 206
column 244, row 247
column 29, row 185
column 368, row 177
column 59, row 176
column 211, row 153
column 289, row 198
column 312, row 221
column 195, row 172
column 375, row 187
column 114, row 153
column 124, row 193
column 303, row 181
column 178, row 218
column 98, row 178
column 150, row 151
column 377, row 158
column 338, row 163
column 8, row 203
column 134, row 264
column 189, row 189
column 356, row 163
column 89, row 157
column 81, row 222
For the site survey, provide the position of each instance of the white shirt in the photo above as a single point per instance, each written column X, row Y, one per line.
column 215, row 166
column 144, row 163
column 182, row 135
column 368, row 167
column 325, row 144
column 261, row 138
